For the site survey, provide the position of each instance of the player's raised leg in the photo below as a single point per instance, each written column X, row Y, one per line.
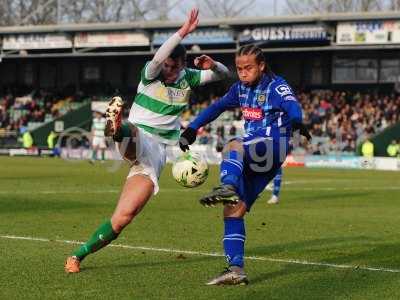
column 231, row 171
column 130, row 203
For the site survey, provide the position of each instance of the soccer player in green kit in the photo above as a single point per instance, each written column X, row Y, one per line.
column 153, row 123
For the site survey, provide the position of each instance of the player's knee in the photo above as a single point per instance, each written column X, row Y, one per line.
column 233, row 146
column 120, row 223
column 237, row 211
column 121, row 220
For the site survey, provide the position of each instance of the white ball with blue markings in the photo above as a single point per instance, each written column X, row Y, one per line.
column 190, row 169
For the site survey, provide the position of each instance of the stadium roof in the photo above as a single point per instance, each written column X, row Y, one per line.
column 223, row 22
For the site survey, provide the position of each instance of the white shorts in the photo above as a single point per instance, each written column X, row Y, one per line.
column 150, row 158
column 99, row 142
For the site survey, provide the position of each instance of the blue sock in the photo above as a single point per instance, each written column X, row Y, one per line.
column 232, row 168
column 277, row 183
column 234, row 238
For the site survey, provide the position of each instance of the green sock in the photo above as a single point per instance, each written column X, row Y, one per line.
column 94, row 155
column 103, row 155
column 101, row 238
column 124, row 131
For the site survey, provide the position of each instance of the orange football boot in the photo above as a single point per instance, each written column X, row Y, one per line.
column 72, row 265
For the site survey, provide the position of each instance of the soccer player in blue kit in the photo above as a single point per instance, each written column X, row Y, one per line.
column 271, row 113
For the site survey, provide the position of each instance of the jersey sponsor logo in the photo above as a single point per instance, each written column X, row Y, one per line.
column 173, row 95
column 283, row 90
column 261, row 99
column 289, row 98
column 252, row 114
column 176, row 94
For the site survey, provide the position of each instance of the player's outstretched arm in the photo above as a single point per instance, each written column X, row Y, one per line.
column 211, row 70
column 154, row 67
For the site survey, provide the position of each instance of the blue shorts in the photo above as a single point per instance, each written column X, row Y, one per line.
column 263, row 157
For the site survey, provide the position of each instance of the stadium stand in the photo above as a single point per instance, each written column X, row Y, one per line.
column 338, row 120
column 21, row 113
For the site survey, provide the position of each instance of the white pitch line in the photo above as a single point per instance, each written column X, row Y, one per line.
column 169, row 250
column 50, row 192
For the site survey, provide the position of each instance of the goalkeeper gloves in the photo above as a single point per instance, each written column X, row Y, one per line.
column 187, row 138
column 303, row 130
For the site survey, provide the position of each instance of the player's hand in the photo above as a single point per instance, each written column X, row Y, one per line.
column 303, row 130
column 190, row 24
column 187, row 138
column 204, row 62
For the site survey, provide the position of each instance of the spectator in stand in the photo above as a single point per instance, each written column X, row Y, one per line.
column 367, row 148
column 393, row 149
column 51, row 140
column 221, row 131
column 220, row 143
column 205, row 136
column 27, row 140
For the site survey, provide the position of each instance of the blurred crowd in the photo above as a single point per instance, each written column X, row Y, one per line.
column 19, row 114
column 338, row 121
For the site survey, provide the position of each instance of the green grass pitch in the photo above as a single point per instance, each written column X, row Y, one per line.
column 335, row 217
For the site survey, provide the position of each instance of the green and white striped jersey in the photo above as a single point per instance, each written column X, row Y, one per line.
column 158, row 106
column 98, row 126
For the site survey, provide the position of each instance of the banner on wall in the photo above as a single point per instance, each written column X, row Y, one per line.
column 37, row 41
column 200, row 36
column 290, row 33
column 110, row 39
column 368, row 32
column 352, row 162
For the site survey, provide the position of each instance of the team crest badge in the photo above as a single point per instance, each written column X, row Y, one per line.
column 261, row 99
column 184, row 84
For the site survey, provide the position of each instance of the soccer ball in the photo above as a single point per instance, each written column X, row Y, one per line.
column 190, row 169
